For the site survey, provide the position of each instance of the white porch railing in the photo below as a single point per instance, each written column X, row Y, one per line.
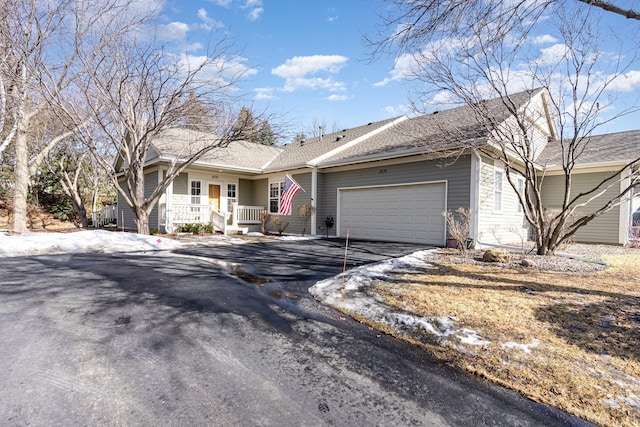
column 109, row 214
column 246, row 214
column 219, row 221
column 190, row 214
column 184, row 213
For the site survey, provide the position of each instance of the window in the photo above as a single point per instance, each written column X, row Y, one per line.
column 520, row 184
column 497, row 190
column 275, row 192
column 231, row 197
column 196, row 192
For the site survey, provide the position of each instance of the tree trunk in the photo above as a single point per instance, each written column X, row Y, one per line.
column 22, row 182
column 78, row 205
column 142, row 221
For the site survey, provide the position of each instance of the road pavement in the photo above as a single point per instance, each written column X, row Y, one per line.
column 179, row 339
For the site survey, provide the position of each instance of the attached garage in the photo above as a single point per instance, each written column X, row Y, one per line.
column 396, row 213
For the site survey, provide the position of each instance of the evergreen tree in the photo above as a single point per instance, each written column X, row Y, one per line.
column 246, row 126
column 267, row 136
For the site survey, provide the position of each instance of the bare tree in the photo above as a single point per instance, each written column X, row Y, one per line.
column 135, row 93
column 416, row 24
column 79, row 175
column 469, row 52
column 39, row 44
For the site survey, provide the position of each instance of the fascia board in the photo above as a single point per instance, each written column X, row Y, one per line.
column 213, row 165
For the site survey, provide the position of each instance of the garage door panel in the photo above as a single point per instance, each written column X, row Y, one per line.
column 410, row 213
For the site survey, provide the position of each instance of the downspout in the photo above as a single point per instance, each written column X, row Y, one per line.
column 314, row 198
column 476, row 171
column 168, row 217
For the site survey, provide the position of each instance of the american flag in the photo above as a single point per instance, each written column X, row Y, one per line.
column 290, row 189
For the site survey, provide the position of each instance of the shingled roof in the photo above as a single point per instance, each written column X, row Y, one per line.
column 400, row 136
column 620, row 147
column 313, row 149
column 238, row 155
column 437, row 132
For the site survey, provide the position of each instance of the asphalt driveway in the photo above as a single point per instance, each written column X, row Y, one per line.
column 175, row 339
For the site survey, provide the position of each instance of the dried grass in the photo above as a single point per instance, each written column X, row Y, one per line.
column 582, row 331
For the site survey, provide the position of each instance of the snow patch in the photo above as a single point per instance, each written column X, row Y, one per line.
column 296, row 238
column 523, row 347
column 86, row 241
column 353, row 297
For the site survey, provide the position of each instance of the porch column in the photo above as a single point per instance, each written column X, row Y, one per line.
column 168, row 216
column 474, row 202
column 625, row 213
column 314, row 197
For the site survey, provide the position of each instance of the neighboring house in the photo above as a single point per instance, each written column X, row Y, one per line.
column 604, row 155
column 389, row 180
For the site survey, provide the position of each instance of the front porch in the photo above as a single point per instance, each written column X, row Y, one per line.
column 239, row 221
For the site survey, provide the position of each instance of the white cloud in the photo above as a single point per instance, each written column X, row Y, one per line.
column 264, row 93
column 207, row 22
column 255, row 7
column 552, row 54
column 255, row 14
column 403, row 67
column 315, row 83
column 220, row 70
column 543, row 39
column 336, row 97
column 300, row 66
column 332, row 15
column 397, row 110
column 175, row 31
column 300, row 72
column 223, row 3
column 627, row 82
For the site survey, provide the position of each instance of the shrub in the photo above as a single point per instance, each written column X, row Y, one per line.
column 459, row 226
column 196, row 228
column 280, row 224
column 305, row 211
column 265, row 217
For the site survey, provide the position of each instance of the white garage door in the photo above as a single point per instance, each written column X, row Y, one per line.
column 399, row 213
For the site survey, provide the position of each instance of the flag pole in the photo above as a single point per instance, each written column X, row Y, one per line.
column 303, row 190
column 344, row 267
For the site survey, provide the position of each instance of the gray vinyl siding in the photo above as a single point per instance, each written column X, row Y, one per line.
column 126, row 214
column 253, row 192
column 181, row 184
column 261, row 193
column 302, row 197
column 457, row 175
column 246, row 193
column 605, row 228
column 150, row 183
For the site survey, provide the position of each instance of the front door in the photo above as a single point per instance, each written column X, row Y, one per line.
column 214, row 196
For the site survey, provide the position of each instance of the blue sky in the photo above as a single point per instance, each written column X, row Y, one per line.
column 307, row 59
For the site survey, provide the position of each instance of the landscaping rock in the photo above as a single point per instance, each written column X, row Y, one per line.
column 528, row 263
column 496, row 255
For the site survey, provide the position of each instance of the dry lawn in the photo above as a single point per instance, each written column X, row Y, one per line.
column 566, row 339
